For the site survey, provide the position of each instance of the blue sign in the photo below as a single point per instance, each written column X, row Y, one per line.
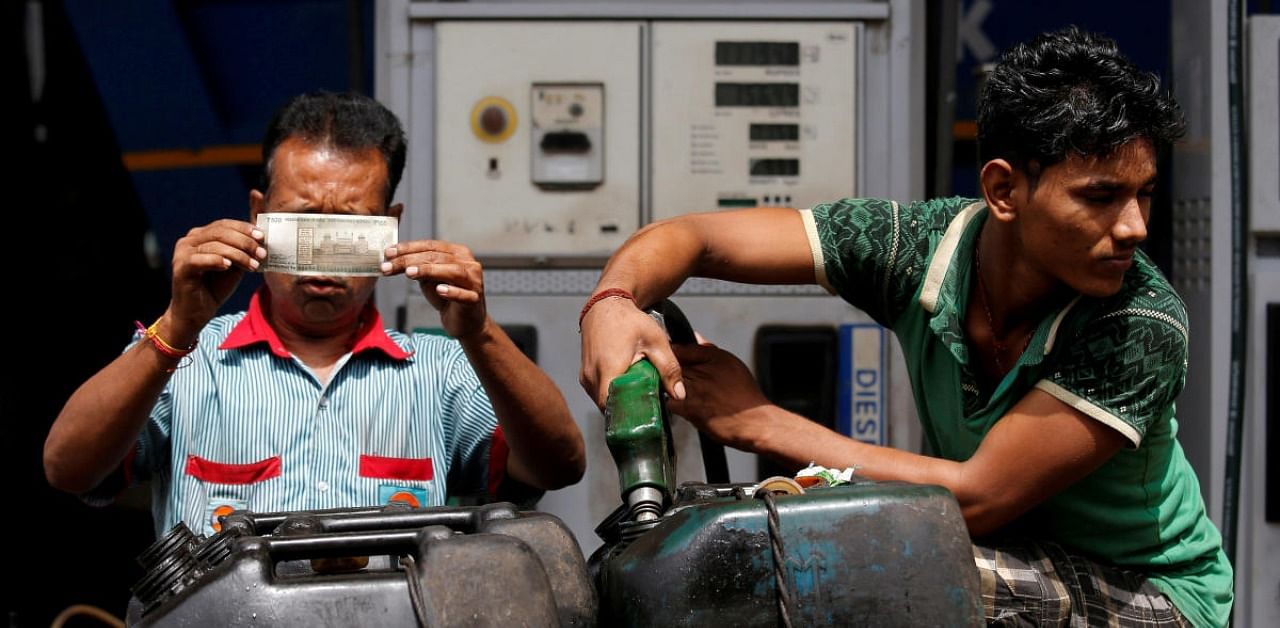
column 862, row 413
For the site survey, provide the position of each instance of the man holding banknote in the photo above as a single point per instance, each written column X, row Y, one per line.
column 305, row 401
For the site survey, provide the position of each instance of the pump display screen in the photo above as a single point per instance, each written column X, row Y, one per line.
column 775, row 167
column 757, row 94
column 757, row 53
column 775, row 132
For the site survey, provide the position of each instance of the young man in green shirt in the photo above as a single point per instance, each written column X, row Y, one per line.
column 1045, row 350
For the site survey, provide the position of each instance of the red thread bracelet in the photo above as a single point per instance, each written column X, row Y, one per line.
column 164, row 348
column 607, row 293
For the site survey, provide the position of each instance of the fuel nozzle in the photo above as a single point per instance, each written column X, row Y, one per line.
column 639, row 437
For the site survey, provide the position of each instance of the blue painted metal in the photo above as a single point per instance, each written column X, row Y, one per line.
column 1142, row 30
column 187, row 75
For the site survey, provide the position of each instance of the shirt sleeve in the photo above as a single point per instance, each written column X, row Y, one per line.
column 870, row 252
column 1124, row 369
column 470, row 424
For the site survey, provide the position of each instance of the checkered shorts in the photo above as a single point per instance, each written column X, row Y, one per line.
column 1040, row 584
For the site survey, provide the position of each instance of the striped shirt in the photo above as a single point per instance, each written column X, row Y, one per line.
column 247, row 425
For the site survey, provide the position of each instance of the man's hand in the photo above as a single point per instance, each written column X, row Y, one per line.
column 545, row 446
column 723, row 397
column 450, row 278
column 616, row 335
column 207, row 265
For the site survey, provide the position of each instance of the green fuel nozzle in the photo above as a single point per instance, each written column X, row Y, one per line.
column 639, row 437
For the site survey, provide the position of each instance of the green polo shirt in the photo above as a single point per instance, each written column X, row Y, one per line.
column 1120, row 360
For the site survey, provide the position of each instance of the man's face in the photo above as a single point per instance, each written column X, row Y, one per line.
column 312, row 178
column 1086, row 216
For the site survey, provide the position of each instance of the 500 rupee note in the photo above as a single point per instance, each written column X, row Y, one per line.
column 326, row 244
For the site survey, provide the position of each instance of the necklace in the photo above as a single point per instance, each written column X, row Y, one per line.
column 1000, row 347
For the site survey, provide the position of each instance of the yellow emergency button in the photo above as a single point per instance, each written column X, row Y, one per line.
column 493, row 119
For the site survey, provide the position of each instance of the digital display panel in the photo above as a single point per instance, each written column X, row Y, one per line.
column 757, row 53
column 775, row 132
column 757, row 94
column 775, row 167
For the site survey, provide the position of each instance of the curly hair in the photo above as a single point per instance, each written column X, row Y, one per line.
column 1070, row 91
column 347, row 122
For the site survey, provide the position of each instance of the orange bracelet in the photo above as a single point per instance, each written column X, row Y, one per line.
column 152, row 333
column 600, row 296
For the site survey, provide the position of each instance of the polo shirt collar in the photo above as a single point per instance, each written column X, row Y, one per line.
column 945, row 293
column 254, row 329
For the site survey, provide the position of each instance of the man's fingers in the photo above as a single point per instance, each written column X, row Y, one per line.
column 438, row 268
column 668, row 370
column 247, row 228
column 690, row 354
column 466, row 276
column 399, row 263
column 400, row 249
column 237, row 256
column 230, row 233
column 603, row 379
column 433, row 297
column 454, row 293
column 204, row 263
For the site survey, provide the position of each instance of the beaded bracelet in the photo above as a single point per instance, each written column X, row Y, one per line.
column 600, row 296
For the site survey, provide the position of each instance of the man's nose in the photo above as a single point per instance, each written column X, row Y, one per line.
column 1131, row 225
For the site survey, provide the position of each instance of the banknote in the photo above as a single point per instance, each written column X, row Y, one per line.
column 326, row 244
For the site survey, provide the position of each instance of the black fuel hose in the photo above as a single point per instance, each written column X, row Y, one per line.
column 681, row 332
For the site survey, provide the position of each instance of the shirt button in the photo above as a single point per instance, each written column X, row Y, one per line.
column 324, row 401
column 322, row 486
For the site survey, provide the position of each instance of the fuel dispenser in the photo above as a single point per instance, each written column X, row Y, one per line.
column 543, row 134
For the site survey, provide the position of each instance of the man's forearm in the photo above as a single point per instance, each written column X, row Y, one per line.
column 765, row 245
column 102, row 419
column 654, row 261
column 1015, row 468
column 547, row 449
column 791, row 438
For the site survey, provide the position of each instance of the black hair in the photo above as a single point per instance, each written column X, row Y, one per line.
column 347, row 122
column 1070, row 91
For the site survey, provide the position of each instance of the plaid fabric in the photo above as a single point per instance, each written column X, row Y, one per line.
column 1040, row 584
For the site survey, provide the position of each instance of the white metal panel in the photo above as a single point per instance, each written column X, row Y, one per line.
column 706, row 156
column 485, row 195
column 1264, row 123
column 1257, row 571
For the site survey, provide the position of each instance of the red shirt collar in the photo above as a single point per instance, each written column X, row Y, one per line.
column 254, row 328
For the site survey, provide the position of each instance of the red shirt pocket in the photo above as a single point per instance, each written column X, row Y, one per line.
column 395, row 468
column 226, row 473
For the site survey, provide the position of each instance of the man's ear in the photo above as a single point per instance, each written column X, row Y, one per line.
column 257, row 205
column 1004, row 188
column 395, row 210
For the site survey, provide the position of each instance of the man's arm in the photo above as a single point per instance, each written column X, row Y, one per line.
column 1040, row 447
column 546, row 447
column 102, row 419
column 765, row 245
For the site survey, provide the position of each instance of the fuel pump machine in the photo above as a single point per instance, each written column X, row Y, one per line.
column 543, row 134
